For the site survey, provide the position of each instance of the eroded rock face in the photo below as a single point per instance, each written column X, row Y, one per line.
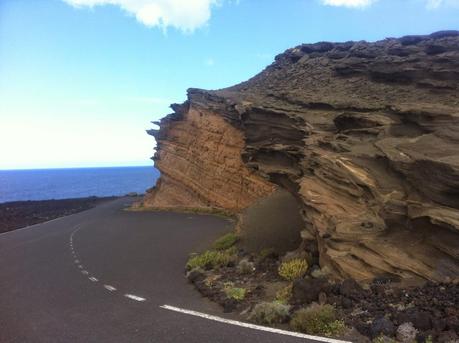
column 365, row 135
column 199, row 156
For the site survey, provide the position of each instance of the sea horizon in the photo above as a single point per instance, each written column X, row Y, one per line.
column 83, row 167
column 78, row 182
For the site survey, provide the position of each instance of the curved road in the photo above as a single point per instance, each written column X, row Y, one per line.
column 102, row 275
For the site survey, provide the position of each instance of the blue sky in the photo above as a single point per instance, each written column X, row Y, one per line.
column 80, row 80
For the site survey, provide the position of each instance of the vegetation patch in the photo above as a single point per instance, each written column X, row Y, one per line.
column 226, row 241
column 269, row 313
column 245, row 266
column 318, row 320
column 293, row 269
column 261, row 286
column 210, row 259
column 384, row 339
column 285, row 294
column 236, row 293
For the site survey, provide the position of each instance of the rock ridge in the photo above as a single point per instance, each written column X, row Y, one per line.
column 364, row 135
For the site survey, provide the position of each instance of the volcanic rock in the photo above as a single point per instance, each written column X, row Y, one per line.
column 364, row 135
column 306, row 291
column 382, row 326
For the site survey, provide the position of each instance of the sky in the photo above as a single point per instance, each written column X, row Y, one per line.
column 81, row 80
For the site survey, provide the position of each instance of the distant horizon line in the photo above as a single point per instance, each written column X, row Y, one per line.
column 84, row 167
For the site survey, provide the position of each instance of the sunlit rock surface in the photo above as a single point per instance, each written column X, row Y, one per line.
column 365, row 135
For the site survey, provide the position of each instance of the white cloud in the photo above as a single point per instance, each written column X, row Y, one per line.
column 431, row 4
column 348, row 3
column 434, row 4
column 185, row 15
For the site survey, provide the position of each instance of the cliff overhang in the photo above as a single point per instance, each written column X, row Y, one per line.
column 364, row 135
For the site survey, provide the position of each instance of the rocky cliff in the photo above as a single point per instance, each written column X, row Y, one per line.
column 365, row 135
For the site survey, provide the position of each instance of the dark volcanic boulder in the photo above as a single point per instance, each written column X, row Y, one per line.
column 305, row 291
column 351, row 289
column 420, row 319
column 382, row 326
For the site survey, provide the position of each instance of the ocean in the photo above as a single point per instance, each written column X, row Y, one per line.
column 44, row 184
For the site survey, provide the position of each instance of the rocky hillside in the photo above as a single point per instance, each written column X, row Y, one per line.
column 366, row 137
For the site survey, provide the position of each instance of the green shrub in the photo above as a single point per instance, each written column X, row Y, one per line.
column 284, row 295
column 233, row 251
column 293, row 269
column 269, row 313
column 335, row 328
column 383, row 339
column 317, row 320
column 209, row 259
column 236, row 293
column 226, row 241
column 245, row 266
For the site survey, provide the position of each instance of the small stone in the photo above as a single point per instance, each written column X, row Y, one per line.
column 322, row 298
column 318, row 273
column 194, row 275
column 245, row 266
column 350, row 288
column 352, row 335
column 306, row 291
column 296, row 254
column 382, row 326
column 420, row 319
column 448, row 337
column 406, row 333
column 229, row 305
column 346, row 302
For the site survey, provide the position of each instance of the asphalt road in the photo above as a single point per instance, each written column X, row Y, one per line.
column 102, row 275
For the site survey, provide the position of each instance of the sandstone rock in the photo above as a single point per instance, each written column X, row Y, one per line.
column 364, row 135
column 199, row 156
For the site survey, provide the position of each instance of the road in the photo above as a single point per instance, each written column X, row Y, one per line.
column 102, row 275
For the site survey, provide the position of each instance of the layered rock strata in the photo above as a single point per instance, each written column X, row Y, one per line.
column 365, row 135
column 199, row 156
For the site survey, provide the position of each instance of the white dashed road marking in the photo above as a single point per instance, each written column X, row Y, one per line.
column 92, row 278
column 200, row 314
column 134, row 297
column 110, row 288
column 251, row 326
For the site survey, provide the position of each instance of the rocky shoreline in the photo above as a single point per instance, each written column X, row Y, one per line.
column 18, row 214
